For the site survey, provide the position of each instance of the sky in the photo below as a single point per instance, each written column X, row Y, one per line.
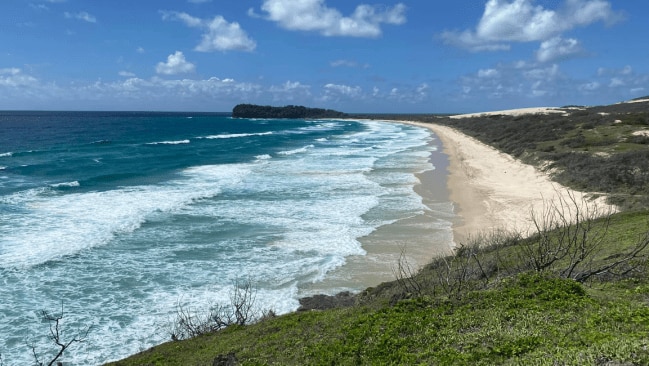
column 408, row 56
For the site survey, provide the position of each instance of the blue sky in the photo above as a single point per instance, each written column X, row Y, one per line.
column 407, row 56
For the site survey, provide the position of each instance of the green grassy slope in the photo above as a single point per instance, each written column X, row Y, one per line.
column 511, row 316
column 569, row 295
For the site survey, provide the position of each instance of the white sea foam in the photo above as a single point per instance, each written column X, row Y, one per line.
column 58, row 225
column 6, row 155
column 66, row 184
column 296, row 151
column 3, row 167
column 235, row 135
column 282, row 222
column 179, row 142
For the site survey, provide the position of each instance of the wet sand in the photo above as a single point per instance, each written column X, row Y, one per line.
column 420, row 237
column 474, row 189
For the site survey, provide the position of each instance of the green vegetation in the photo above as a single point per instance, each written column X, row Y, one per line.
column 573, row 293
column 290, row 111
column 497, row 300
column 597, row 149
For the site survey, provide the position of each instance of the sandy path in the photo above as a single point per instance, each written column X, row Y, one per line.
column 492, row 190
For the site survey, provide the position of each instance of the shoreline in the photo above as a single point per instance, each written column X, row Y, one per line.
column 474, row 190
column 419, row 238
column 492, row 191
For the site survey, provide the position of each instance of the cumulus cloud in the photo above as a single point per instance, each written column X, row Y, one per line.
column 81, row 16
column 14, row 77
column 557, row 49
column 346, row 90
column 176, row 64
column 506, row 21
column 316, row 16
column 514, row 80
column 290, row 91
column 219, row 34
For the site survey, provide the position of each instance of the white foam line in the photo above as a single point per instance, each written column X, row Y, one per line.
column 235, row 135
column 296, row 151
column 66, row 184
column 169, row 142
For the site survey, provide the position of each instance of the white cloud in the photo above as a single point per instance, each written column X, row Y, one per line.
column 345, row 63
column 81, row 16
column 514, row 81
column 505, row 21
column 126, row 74
column 290, row 87
column 220, row 35
column 558, row 49
column 488, row 73
column 316, row 16
column 290, row 92
column 348, row 63
column 176, row 64
column 350, row 91
column 14, row 77
column 616, row 82
column 589, row 87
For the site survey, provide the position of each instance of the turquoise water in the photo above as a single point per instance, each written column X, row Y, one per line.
column 120, row 217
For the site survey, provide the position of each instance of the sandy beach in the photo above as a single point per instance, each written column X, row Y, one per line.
column 492, row 190
column 481, row 190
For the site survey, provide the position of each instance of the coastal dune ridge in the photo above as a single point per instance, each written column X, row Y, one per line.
column 492, row 191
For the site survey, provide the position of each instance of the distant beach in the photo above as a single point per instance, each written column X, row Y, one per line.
column 492, row 190
column 474, row 189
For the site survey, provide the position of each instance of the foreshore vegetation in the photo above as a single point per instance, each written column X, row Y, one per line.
column 575, row 292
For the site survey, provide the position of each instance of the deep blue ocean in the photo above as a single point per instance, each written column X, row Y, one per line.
column 120, row 217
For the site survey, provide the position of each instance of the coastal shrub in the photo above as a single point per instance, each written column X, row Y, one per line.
column 241, row 310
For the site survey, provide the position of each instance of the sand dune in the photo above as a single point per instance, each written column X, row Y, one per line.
column 513, row 112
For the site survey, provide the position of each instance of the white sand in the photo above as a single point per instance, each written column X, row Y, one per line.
column 513, row 112
column 637, row 101
column 492, row 190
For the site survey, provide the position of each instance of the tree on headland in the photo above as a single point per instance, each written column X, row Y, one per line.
column 290, row 111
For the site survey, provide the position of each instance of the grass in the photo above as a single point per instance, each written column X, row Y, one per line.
column 522, row 318
column 488, row 304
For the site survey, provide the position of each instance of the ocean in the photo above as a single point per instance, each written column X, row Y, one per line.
column 119, row 218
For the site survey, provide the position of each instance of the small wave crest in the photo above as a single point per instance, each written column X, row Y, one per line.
column 179, row 142
column 235, row 135
column 6, row 155
column 296, row 151
column 101, row 142
column 66, row 185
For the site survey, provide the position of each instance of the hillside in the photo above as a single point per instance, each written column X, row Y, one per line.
column 574, row 294
column 481, row 306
